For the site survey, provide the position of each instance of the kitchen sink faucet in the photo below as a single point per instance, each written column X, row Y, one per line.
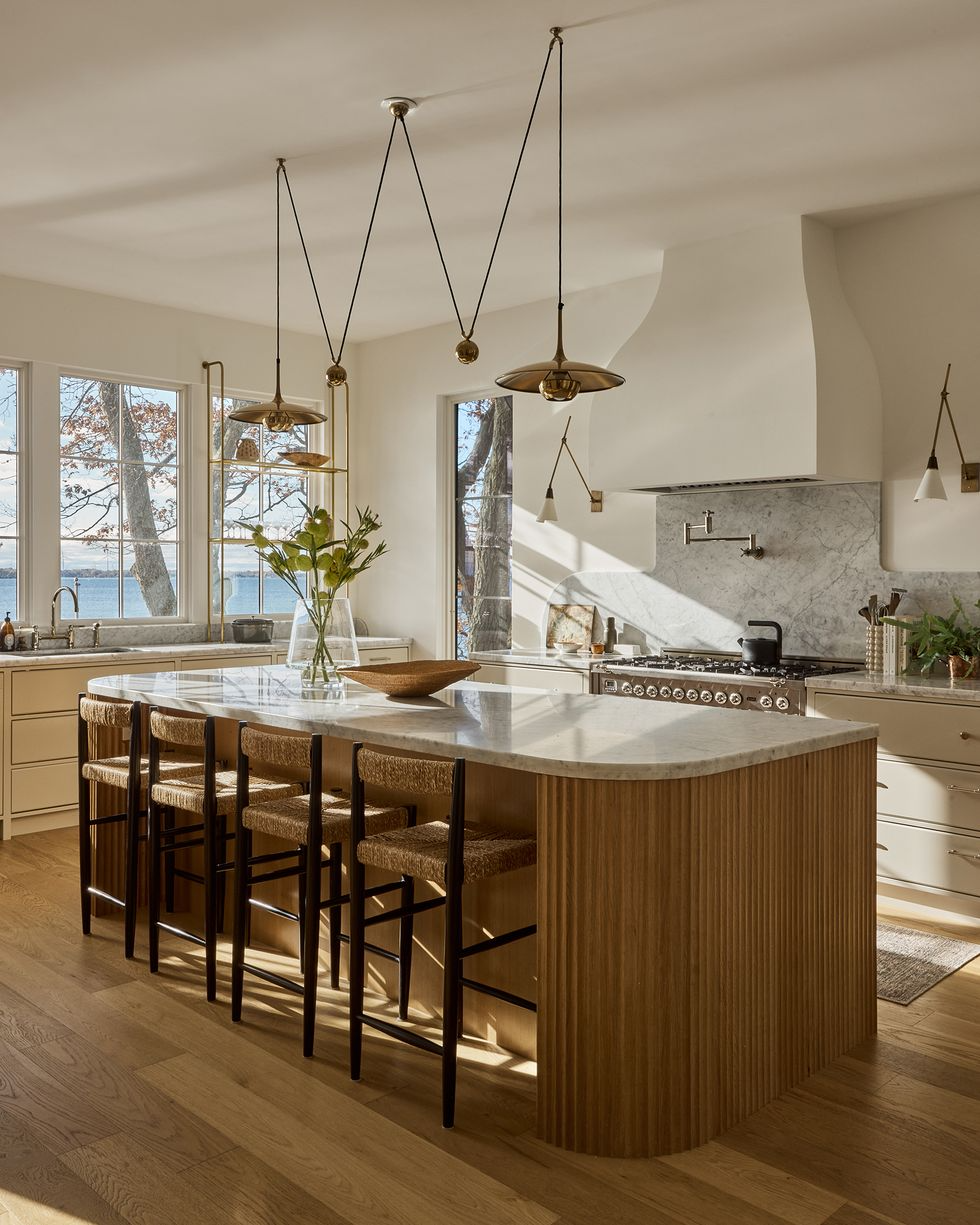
column 69, row 635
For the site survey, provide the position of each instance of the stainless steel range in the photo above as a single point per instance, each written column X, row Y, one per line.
column 721, row 681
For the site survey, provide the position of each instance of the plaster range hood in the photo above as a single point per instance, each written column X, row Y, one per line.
column 750, row 370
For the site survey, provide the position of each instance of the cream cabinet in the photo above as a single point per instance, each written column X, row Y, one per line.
column 928, row 793
column 526, row 676
column 368, row 655
column 197, row 663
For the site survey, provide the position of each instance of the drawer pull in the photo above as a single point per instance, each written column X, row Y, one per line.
column 965, row 790
column 964, row 854
column 964, row 735
column 883, row 786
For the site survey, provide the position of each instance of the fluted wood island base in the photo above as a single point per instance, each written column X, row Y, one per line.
column 705, row 916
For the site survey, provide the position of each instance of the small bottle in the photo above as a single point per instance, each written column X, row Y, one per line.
column 610, row 643
column 7, row 636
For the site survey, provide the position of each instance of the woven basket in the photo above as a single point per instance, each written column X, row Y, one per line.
column 416, row 679
column 305, row 459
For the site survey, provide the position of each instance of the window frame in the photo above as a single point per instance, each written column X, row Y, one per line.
column 22, row 539
column 183, row 464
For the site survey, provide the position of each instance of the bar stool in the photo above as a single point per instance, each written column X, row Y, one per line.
column 209, row 794
column 448, row 853
column 309, row 822
column 129, row 773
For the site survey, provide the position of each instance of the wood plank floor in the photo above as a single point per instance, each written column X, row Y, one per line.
column 129, row 1098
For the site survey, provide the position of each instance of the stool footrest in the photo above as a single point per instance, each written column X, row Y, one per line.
column 278, row 874
column 270, row 977
column 176, row 830
column 508, row 997
column 187, row 874
column 275, row 856
column 388, row 916
column 497, row 942
column 179, row 931
column 108, row 818
column 402, row 1034
column 276, row 910
column 189, row 845
column 106, row 897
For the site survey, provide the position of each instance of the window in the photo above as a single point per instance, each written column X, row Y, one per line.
column 119, row 498
column 484, row 523
column 252, row 492
column 9, row 400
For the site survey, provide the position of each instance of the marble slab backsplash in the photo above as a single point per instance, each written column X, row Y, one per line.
column 822, row 560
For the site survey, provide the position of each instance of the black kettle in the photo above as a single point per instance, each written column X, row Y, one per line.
column 763, row 650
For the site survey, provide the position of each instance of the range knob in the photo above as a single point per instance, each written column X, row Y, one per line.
column 721, row 697
column 692, row 695
column 678, row 694
column 707, row 695
column 734, row 699
column 626, row 688
column 651, row 691
column 766, row 701
column 782, row 703
column 665, row 691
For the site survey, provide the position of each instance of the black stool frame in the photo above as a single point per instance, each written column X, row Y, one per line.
column 307, row 867
column 131, row 816
column 454, row 953
column 166, row 838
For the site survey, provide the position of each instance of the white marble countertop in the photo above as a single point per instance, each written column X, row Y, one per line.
column 183, row 650
column 538, row 659
column 574, row 735
column 915, row 685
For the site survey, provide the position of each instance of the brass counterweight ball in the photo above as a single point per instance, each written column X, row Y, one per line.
column 467, row 351
column 336, row 375
column 559, row 385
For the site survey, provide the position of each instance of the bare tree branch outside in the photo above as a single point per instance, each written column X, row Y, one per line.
column 484, row 512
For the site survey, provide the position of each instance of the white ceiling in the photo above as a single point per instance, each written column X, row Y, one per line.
column 139, row 139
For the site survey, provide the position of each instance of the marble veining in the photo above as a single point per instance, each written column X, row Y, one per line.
column 543, row 732
column 935, row 688
column 822, row 560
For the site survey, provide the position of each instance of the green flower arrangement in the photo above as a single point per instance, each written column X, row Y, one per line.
column 316, row 565
column 952, row 638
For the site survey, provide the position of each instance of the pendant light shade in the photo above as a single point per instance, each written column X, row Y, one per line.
column 277, row 415
column 559, row 379
column 549, row 511
column 931, row 487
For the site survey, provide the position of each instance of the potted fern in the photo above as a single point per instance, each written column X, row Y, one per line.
column 953, row 639
column 316, row 565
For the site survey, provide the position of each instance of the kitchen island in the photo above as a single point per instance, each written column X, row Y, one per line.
column 705, row 886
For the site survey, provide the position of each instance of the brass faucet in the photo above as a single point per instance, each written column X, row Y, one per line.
column 69, row 634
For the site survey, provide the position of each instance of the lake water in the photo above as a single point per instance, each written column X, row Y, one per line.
column 98, row 597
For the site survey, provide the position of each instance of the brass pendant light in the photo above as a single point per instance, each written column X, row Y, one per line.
column 277, row 415
column 560, row 378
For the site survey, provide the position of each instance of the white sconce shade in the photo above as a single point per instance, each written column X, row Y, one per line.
column 931, row 486
column 549, row 512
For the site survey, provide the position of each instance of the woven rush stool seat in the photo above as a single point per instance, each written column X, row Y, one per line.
column 188, row 792
column 312, row 823
column 289, row 818
column 114, row 771
column 448, row 853
column 423, row 851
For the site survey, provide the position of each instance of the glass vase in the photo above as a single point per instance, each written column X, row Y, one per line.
column 322, row 642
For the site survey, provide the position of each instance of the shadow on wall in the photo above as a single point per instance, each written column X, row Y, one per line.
column 822, row 559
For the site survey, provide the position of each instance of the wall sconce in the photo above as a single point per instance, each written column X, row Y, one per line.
column 549, row 512
column 931, row 486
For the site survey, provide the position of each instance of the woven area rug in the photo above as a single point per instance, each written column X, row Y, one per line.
column 910, row 962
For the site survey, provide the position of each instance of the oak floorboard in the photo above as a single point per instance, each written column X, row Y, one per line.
column 254, row 1193
column 853, row 1214
column 50, row 1194
column 21, row 1025
column 364, row 1175
column 174, row 1138
column 140, row 1188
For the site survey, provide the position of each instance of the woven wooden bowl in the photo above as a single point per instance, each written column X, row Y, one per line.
column 415, row 679
column 305, row 459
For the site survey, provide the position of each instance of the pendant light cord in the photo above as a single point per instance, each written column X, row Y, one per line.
column 561, row 131
column 337, row 357
column 513, row 183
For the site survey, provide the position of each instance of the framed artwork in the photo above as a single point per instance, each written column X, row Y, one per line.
column 570, row 623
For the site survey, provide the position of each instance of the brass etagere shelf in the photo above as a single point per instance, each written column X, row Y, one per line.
column 338, row 399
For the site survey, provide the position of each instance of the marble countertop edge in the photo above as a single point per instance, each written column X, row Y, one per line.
column 875, row 684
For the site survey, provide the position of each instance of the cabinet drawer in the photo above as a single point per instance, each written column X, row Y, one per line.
column 45, row 739
column 46, row 690
column 561, row 680
column 48, row 786
column 383, row 655
column 933, row 794
column 936, row 731
column 215, row 662
column 915, row 856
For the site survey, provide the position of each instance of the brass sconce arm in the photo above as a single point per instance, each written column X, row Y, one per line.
column 595, row 495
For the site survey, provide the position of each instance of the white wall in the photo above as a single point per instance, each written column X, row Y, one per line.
column 401, row 466
column 913, row 281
